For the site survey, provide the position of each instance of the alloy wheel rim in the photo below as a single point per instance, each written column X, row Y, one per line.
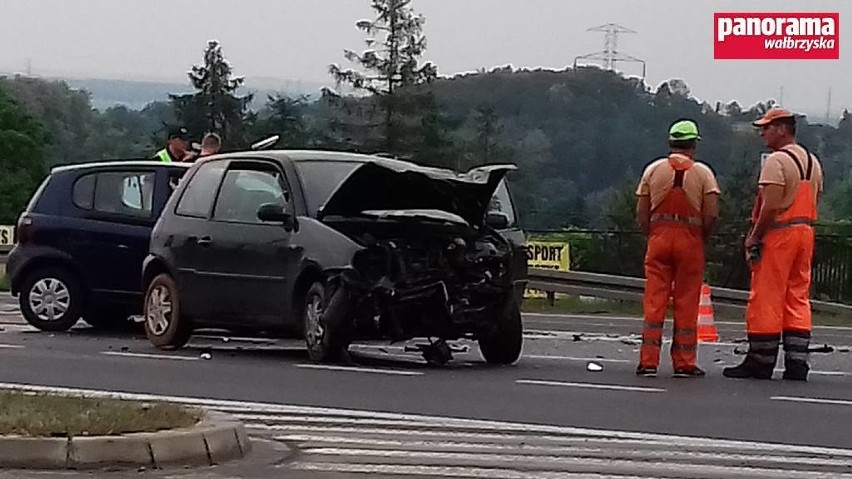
column 314, row 330
column 49, row 299
column 158, row 314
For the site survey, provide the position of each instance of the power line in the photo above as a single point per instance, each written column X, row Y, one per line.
column 610, row 54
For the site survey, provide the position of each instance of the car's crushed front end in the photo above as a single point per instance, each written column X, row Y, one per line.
column 429, row 267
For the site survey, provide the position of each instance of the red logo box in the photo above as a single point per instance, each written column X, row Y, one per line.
column 776, row 36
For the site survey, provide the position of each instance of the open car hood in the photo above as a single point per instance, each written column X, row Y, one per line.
column 398, row 186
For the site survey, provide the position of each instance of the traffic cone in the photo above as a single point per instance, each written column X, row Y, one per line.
column 706, row 324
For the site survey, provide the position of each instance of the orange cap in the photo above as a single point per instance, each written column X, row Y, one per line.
column 772, row 115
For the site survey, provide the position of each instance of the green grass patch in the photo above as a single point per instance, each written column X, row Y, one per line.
column 43, row 415
column 574, row 305
column 4, row 282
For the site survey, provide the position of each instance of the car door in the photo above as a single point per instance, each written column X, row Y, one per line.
column 189, row 232
column 109, row 237
column 253, row 258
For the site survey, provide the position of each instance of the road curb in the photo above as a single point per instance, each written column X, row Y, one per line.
column 214, row 440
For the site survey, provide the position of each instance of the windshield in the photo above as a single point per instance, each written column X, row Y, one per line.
column 501, row 202
column 321, row 178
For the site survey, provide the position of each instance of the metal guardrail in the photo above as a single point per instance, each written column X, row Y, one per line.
column 626, row 288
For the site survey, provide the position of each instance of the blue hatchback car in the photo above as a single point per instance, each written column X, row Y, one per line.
column 82, row 240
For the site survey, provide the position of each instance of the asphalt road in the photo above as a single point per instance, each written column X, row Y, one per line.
column 391, row 415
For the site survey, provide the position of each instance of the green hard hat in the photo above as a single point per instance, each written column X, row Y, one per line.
column 684, row 130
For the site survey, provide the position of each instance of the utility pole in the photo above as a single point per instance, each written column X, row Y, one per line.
column 828, row 106
column 610, row 54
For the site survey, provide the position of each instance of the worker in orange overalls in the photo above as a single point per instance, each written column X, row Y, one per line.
column 779, row 249
column 677, row 209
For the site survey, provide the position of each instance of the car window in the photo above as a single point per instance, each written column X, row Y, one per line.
column 126, row 193
column 501, row 203
column 245, row 190
column 198, row 196
column 321, row 178
column 83, row 193
column 138, row 192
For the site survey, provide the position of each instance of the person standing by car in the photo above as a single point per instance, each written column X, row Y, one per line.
column 211, row 144
column 780, row 249
column 176, row 147
column 677, row 209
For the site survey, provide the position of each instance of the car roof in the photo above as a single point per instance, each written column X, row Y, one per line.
column 118, row 163
column 299, row 156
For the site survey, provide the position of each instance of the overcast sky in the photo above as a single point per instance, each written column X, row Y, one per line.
column 297, row 39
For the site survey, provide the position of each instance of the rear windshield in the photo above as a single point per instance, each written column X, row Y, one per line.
column 321, row 178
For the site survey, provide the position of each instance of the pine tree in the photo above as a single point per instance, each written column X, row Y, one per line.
column 215, row 106
column 392, row 72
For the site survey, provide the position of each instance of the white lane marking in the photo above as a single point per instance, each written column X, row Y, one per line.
column 577, row 465
column 148, row 356
column 611, row 387
column 444, row 471
column 480, row 424
column 779, row 370
column 224, row 338
column 819, row 373
column 833, row 402
column 572, row 358
column 467, row 457
column 352, row 369
column 625, row 450
column 630, row 340
column 11, row 346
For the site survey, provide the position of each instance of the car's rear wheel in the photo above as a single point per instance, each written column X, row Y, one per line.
column 322, row 341
column 51, row 299
column 165, row 327
column 503, row 344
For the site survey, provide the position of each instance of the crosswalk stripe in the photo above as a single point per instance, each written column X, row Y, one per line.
column 447, row 472
column 349, row 442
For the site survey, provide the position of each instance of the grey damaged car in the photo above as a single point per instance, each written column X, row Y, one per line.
column 337, row 247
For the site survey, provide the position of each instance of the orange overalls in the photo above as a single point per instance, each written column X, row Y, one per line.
column 780, row 281
column 675, row 254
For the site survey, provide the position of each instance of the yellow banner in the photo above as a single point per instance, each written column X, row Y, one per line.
column 7, row 235
column 546, row 255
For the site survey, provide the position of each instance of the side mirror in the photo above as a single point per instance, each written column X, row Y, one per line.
column 272, row 213
column 498, row 221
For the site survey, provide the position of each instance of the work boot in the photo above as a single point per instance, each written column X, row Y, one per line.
column 796, row 372
column 760, row 360
column 748, row 370
column 648, row 372
column 693, row 372
column 796, row 345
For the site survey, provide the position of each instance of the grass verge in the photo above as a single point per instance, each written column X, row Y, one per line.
column 61, row 416
column 574, row 305
column 4, row 282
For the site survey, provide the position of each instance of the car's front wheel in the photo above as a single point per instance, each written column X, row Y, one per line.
column 51, row 299
column 322, row 340
column 165, row 327
column 503, row 344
